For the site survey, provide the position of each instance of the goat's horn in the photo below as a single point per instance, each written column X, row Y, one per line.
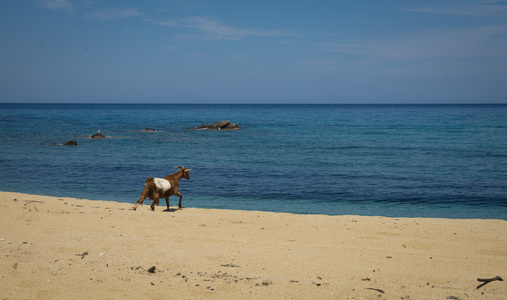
column 179, row 167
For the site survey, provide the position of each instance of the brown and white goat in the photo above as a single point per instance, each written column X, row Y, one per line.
column 156, row 188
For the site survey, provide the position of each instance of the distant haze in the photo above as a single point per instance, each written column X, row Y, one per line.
column 201, row 51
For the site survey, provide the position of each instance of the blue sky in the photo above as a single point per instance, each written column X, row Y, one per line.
column 222, row 51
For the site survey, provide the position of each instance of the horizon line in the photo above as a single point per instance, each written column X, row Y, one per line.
column 252, row 103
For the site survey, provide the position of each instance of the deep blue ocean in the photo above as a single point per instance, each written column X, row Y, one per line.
column 444, row 161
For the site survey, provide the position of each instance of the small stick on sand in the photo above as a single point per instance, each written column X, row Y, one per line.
column 378, row 290
column 32, row 201
column 488, row 280
column 83, row 254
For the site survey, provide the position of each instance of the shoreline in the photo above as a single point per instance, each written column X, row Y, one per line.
column 369, row 210
column 58, row 247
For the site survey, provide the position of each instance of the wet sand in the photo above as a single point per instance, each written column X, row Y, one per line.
column 63, row 248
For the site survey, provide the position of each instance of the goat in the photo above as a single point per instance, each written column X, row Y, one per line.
column 156, row 188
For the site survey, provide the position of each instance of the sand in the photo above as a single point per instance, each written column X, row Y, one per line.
column 63, row 248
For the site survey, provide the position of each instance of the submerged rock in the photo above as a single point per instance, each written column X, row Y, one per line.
column 222, row 125
column 70, row 143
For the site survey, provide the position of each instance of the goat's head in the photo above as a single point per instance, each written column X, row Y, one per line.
column 150, row 181
column 185, row 171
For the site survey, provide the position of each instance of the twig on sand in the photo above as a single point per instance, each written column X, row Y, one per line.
column 230, row 266
column 32, row 201
column 83, row 254
column 488, row 280
column 378, row 290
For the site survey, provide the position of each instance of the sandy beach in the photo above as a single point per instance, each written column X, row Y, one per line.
column 63, row 248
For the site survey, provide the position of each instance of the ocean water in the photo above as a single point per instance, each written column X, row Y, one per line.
column 443, row 161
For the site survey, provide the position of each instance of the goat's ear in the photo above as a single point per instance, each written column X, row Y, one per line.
column 187, row 170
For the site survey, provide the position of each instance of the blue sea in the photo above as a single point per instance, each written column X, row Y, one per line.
column 442, row 161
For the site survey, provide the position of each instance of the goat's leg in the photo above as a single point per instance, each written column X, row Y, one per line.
column 167, row 201
column 139, row 202
column 179, row 195
column 155, row 202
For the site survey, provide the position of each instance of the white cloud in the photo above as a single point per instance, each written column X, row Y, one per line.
column 486, row 42
column 467, row 55
column 171, row 49
column 346, row 47
column 216, row 30
column 124, row 12
column 474, row 8
column 56, row 4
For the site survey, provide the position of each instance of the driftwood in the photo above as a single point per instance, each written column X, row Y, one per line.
column 488, row 280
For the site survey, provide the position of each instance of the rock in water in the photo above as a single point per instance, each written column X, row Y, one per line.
column 98, row 135
column 222, row 125
column 70, row 143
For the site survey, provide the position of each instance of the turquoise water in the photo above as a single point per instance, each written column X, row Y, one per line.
column 447, row 161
